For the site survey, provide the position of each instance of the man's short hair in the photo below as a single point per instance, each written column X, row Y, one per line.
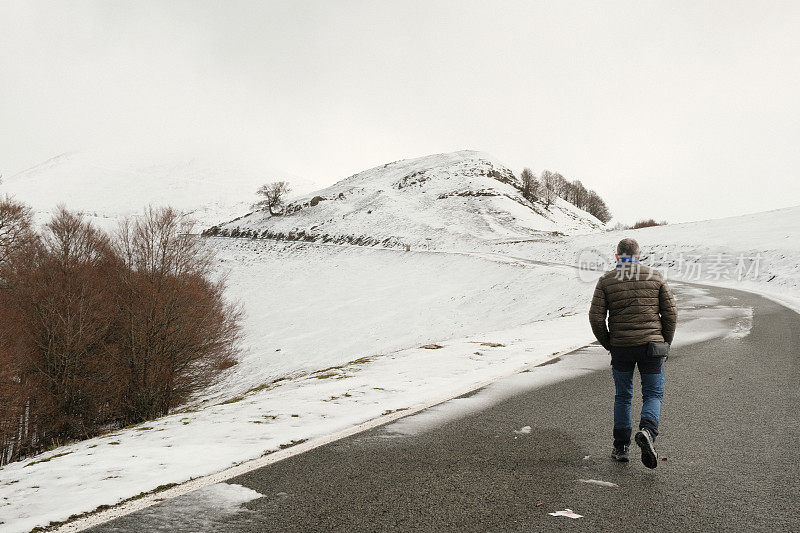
column 628, row 248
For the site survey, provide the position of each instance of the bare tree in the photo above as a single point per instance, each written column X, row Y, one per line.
column 178, row 331
column 15, row 228
column 560, row 184
column 273, row 195
column 597, row 207
column 58, row 291
column 16, row 238
column 577, row 194
column 530, row 185
column 15, row 392
column 548, row 184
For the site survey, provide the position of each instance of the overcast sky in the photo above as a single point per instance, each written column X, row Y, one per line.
column 675, row 110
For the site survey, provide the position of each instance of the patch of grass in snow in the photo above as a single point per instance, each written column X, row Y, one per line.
column 390, row 411
column 259, row 388
column 493, row 344
column 46, row 459
column 431, row 346
column 145, row 428
column 328, row 375
column 232, row 400
column 290, row 444
column 266, row 386
column 114, row 443
column 345, row 395
column 338, row 372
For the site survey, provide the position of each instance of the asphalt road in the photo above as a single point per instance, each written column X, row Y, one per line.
column 729, row 433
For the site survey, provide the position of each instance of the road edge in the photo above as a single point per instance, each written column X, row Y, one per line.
column 105, row 513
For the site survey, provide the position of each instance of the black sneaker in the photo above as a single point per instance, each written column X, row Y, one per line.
column 620, row 453
column 645, row 442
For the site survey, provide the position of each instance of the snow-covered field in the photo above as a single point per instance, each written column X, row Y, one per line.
column 311, row 306
column 758, row 252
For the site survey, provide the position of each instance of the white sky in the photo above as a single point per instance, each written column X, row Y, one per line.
column 675, row 110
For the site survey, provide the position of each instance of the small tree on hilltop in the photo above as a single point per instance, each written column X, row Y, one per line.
column 273, row 195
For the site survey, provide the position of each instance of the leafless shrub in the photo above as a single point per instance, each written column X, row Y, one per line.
column 176, row 331
column 98, row 331
column 647, row 223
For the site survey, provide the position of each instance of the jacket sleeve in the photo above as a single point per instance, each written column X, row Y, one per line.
column 669, row 312
column 597, row 316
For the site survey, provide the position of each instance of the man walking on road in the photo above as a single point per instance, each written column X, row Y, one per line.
column 641, row 311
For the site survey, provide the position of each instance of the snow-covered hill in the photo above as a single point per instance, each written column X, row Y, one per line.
column 106, row 186
column 455, row 199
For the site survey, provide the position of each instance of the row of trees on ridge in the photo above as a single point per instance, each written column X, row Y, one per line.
column 551, row 185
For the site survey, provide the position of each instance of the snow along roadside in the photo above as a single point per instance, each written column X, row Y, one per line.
column 197, row 483
column 266, row 426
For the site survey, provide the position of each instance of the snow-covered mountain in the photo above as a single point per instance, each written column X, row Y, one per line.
column 459, row 198
column 106, row 186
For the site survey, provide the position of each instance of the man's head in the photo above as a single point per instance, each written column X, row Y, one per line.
column 628, row 248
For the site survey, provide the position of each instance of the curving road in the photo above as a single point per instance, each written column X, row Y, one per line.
column 730, row 432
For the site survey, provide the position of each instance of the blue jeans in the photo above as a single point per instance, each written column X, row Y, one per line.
column 624, row 359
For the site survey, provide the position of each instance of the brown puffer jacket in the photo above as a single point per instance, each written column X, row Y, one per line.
column 639, row 305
